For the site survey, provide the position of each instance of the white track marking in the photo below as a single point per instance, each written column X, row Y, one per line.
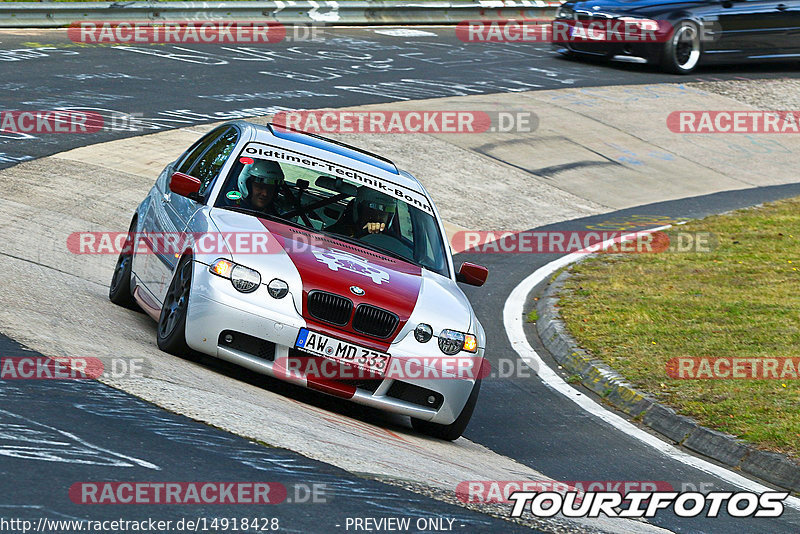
column 29, row 436
column 404, row 32
column 512, row 321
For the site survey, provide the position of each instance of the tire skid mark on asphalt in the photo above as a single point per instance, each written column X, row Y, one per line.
column 29, row 439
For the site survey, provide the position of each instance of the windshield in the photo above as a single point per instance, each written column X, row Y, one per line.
column 331, row 202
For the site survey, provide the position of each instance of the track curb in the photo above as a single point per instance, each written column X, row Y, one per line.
column 597, row 376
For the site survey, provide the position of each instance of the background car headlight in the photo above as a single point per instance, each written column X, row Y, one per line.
column 242, row 278
column 423, row 332
column 564, row 12
column 641, row 24
column 277, row 288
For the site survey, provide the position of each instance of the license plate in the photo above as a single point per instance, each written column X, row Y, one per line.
column 342, row 351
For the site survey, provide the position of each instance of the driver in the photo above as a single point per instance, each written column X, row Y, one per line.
column 259, row 183
column 372, row 213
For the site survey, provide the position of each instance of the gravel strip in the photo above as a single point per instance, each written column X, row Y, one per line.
column 780, row 95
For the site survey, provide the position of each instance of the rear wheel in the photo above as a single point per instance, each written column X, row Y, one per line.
column 119, row 291
column 454, row 430
column 171, row 332
column 682, row 51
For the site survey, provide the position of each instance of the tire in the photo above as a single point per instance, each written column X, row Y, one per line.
column 119, row 290
column 454, row 430
column 683, row 50
column 171, row 331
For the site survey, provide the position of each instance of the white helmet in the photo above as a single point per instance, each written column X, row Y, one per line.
column 260, row 171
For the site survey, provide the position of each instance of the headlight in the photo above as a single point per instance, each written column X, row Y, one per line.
column 244, row 279
column 452, row 342
column 423, row 332
column 277, row 288
column 641, row 24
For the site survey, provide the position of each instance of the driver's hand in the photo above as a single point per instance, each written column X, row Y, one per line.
column 375, row 227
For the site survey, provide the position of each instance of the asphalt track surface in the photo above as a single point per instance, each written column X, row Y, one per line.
column 171, row 87
column 177, row 449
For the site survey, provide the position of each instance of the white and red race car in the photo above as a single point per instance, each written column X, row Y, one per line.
column 311, row 261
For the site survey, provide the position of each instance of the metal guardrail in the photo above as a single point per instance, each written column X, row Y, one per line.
column 329, row 12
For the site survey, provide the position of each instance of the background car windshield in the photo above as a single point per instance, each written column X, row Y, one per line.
column 337, row 206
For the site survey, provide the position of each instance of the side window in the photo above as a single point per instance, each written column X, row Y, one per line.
column 197, row 150
column 207, row 167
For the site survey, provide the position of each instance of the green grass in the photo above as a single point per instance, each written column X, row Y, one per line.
column 637, row 311
column 532, row 316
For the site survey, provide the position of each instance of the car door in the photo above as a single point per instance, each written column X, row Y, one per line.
column 791, row 9
column 174, row 211
column 752, row 28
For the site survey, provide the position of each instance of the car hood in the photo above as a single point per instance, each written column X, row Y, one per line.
column 309, row 261
column 362, row 275
column 634, row 7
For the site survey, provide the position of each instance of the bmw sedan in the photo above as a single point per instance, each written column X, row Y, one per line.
column 680, row 35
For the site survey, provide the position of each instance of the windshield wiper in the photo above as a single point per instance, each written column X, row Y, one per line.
column 257, row 213
column 370, row 246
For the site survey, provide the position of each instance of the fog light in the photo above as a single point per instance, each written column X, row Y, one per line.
column 228, row 338
column 431, row 399
column 277, row 288
column 423, row 333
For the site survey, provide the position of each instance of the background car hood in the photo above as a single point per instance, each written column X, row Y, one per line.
column 634, row 7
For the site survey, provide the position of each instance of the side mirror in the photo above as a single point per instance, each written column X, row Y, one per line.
column 474, row 275
column 185, row 185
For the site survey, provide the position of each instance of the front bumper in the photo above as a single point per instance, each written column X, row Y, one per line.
column 626, row 52
column 263, row 331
